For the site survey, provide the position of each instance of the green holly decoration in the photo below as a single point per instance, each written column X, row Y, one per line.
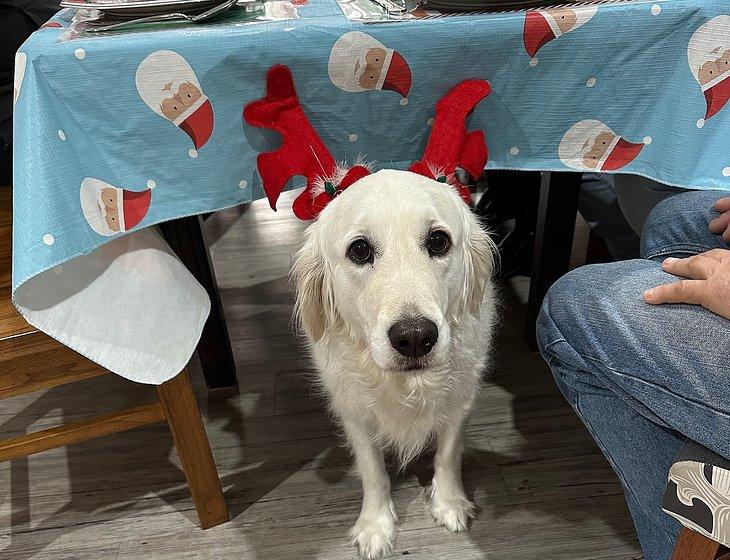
column 442, row 179
column 329, row 188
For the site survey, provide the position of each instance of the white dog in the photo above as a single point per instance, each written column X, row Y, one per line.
column 395, row 295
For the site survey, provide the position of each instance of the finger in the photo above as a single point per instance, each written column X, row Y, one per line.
column 726, row 235
column 719, row 255
column 684, row 291
column 721, row 223
column 698, row 267
column 723, row 204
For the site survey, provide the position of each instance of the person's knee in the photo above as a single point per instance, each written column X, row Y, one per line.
column 679, row 223
column 563, row 327
column 565, row 306
column 587, row 306
column 680, row 205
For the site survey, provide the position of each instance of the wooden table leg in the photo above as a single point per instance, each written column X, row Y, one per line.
column 185, row 237
column 693, row 546
column 553, row 239
column 183, row 417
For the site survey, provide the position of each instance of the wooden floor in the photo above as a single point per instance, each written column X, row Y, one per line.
column 543, row 488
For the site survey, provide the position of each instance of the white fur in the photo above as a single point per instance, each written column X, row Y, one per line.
column 347, row 309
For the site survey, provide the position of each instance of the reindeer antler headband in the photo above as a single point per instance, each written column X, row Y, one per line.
column 302, row 152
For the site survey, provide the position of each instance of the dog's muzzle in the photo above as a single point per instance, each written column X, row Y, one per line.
column 413, row 338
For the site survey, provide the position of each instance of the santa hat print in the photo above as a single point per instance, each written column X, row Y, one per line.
column 620, row 153
column 542, row 26
column 100, row 200
column 135, row 205
column 356, row 52
column 450, row 147
column 708, row 54
column 592, row 145
column 167, row 84
column 21, row 60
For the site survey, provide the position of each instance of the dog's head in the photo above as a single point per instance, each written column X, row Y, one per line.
column 393, row 263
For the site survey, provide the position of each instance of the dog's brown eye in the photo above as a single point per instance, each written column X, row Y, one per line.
column 360, row 252
column 438, row 243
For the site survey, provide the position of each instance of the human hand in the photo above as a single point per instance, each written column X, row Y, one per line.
column 721, row 224
column 707, row 282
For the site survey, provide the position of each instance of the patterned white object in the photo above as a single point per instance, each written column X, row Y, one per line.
column 693, row 486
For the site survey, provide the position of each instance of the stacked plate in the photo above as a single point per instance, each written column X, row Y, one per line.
column 122, row 10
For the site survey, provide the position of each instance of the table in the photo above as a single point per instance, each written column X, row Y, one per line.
column 119, row 132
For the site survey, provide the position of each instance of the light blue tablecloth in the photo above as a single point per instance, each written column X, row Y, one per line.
column 80, row 114
column 122, row 131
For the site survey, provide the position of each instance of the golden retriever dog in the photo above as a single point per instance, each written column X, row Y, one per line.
column 395, row 295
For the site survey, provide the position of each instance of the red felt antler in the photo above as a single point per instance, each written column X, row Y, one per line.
column 450, row 145
column 302, row 151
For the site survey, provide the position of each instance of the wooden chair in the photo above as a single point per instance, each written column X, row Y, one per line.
column 31, row 360
column 693, row 546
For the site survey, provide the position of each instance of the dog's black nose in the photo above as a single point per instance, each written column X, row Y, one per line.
column 413, row 338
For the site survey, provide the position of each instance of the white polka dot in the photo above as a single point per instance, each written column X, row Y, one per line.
column 656, row 9
column 151, row 184
column 404, row 101
column 193, row 153
column 591, row 82
column 48, row 239
column 430, row 121
column 647, row 140
column 242, row 184
column 533, row 62
column 61, row 134
column 700, row 123
column 726, row 171
column 514, row 150
column 80, row 54
column 353, row 137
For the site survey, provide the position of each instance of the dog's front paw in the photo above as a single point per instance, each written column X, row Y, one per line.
column 374, row 533
column 453, row 512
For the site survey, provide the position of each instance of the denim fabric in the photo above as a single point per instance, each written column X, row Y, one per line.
column 643, row 378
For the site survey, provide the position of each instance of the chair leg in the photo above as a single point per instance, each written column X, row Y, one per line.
column 183, row 417
column 693, row 546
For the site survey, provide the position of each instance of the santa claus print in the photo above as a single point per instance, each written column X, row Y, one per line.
column 708, row 54
column 168, row 85
column 21, row 60
column 592, row 145
column 359, row 62
column 542, row 26
column 110, row 210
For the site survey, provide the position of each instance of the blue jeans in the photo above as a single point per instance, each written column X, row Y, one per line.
column 643, row 378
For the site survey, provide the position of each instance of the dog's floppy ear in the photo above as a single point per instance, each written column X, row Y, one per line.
column 314, row 308
column 479, row 255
